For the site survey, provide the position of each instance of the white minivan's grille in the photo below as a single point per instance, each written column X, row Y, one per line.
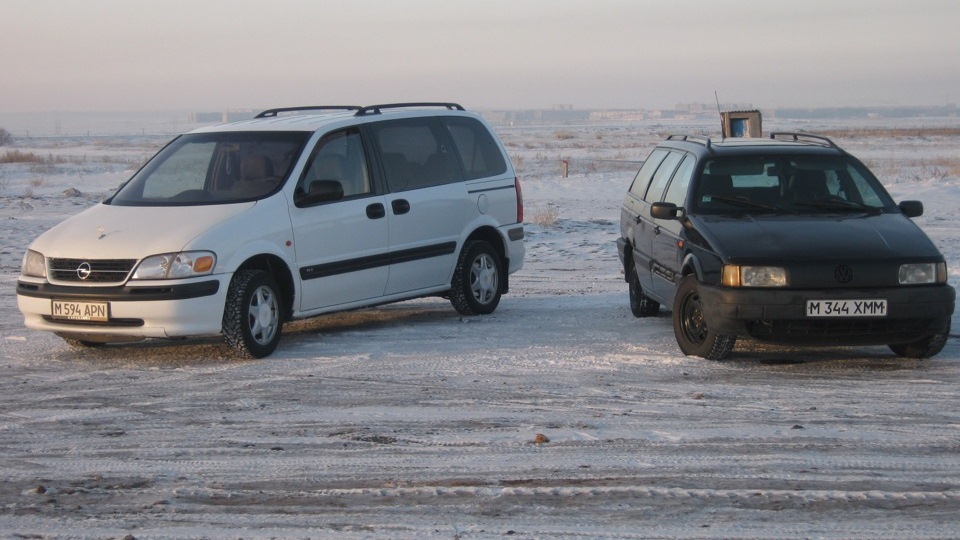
column 91, row 271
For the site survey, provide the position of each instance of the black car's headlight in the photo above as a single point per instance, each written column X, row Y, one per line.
column 735, row 275
column 923, row 273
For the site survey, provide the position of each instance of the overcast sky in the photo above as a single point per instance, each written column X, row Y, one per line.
column 126, row 55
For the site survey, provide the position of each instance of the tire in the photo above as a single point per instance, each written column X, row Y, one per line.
column 253, row 315
column 692, row 330
column 924, row 347
column 476, row 285
column 640, row 304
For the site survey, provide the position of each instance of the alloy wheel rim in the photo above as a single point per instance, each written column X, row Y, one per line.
column 262, row 315
column 483, row 279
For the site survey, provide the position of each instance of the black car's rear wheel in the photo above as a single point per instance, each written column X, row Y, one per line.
column 640, row 304
column 691, row 328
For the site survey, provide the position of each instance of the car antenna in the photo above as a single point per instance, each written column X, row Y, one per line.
column 723, row 134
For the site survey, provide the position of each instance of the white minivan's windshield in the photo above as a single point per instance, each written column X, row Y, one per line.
column 214, row 168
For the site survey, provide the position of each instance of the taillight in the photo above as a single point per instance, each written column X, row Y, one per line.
column 516, row 184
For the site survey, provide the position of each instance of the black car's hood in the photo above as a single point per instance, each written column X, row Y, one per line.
column 797, row 238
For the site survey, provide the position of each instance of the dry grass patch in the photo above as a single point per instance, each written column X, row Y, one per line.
column 545, row 216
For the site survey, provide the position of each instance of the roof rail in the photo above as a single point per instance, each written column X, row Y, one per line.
column 807, row 137
column 375, row 109
column 274, row 112
column 692, row 138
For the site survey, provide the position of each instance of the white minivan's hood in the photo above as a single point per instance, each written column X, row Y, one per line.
column 132, row 232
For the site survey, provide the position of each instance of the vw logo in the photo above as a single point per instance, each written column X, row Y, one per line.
column 843, row 274
column 84, row 270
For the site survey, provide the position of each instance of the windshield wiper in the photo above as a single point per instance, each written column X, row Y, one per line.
column 743, row 202
column 841, row 204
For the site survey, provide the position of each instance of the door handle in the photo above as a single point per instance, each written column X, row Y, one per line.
column 376, row 211
column 400, row 206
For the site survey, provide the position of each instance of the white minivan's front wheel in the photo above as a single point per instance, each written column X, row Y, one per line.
column 252, row 317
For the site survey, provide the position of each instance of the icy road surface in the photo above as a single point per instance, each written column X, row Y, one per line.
column 559, row 416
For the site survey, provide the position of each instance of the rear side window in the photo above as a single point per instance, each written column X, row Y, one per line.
column 677, row 192
column 662, row 176
column 476, row 147
column 416, row 153
column 639, row 186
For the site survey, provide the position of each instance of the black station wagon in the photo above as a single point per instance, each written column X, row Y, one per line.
column 788, row 240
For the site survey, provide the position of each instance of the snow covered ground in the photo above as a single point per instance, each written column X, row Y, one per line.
column 559, row 416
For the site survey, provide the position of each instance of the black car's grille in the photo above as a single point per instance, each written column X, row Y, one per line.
column 91, row 271
column 838, row 327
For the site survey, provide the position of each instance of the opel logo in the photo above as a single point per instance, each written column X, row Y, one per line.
column 84, row 270
column 843, row 274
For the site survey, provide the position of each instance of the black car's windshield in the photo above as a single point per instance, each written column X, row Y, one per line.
column 214, row 168
column 789, row 184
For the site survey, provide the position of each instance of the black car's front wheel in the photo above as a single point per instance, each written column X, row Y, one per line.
column 693, row 332
column 924, row 347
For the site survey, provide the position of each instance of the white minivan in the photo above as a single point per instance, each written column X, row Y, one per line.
column 298, row 212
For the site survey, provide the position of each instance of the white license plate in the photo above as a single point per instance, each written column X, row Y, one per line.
column 872, row 307
column 80, row 311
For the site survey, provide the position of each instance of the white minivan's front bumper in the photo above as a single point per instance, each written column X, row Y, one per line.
column 148, row 310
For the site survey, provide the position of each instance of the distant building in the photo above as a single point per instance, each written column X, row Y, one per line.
column 220, row 117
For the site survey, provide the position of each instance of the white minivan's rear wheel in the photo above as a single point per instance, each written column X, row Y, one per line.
column 252, row 317
column 475, row 289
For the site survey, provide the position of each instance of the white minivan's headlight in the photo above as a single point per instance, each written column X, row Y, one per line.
column 923, row 273
column 735, row 275
column 33, row 264
column 176, row 265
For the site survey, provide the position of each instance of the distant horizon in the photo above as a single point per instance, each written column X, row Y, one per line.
column 169, row 122
column 555, row 106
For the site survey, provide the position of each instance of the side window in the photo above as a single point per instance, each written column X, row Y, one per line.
column 338, row 157
column 415, row 153
column 677, row 191
column 478, row 151
column 642, row 180
column 662, row 176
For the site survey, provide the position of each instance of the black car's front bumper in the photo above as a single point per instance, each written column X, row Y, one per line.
column 780, row 315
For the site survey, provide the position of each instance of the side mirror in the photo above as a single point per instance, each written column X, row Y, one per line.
column 911, row 209
column 320, row 191
column 665, row 210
